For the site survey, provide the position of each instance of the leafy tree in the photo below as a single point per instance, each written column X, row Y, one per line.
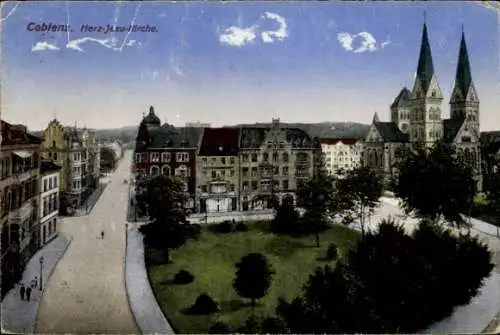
column 286, row 220
column 108, row 159
column 253, row 277
column 165, row 200
column 358, row 193
column 493, row 200
column 316, row 197
column 434, row 184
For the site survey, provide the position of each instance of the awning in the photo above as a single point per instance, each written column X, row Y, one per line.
column 22, row 154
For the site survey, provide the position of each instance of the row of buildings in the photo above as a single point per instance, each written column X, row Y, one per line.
column 238, row 168
column 40, row 177
column 229, row 168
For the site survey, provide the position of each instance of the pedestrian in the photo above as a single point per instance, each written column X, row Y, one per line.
column 102, row 234
column 22, row 289
column 28, row 293
column 34, row 282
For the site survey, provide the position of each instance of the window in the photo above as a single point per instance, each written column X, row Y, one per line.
column 204, row 160
column 55, row 156
column 50, row 183
column 254, row 185
column 232, row 188
column 223, row 173
column 165, row 170
column 244, row 158
column 165, row 157
column 275, row 157
column 254, row 172
column 245, row 185
column 182, row 157
column 276, row 170
column 285, row 157
column 285, row 184
column 45, row 185
column 154, row 157
column 254, row 158
column 245, row 172
column 214, row 174
column 55, row 182
column 204, row 188
column 186, row 187
column 285, row 171
column 231, row 160
column 181, row 171
column 53, row 144
column 223, row 160
column 265, row 157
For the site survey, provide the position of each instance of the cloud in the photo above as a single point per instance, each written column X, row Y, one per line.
column 280, row 34
column 131, row 43
column 108, row 43
column 239, row 36
column 42, row 46
column 12, row 11
column 366, row 42
column 162, row 15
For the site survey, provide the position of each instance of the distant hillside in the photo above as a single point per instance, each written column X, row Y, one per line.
column 124, row 134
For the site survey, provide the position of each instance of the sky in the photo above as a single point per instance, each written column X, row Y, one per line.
column 234, row 62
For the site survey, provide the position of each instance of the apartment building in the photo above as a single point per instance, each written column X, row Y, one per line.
column 49, row 200
column 273, row 162
column 93, row 152
column 77, row 180
column 217, row 170
column 341, row 154
column 19, row 200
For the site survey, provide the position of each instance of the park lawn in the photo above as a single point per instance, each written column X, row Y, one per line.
column 211, row 260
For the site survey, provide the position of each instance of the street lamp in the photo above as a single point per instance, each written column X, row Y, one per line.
column 41, row 274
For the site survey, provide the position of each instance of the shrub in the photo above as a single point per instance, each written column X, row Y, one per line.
column 220, row 328
column 332, row 252
column 273, row 325
column 204, row 304
column 241, row 226
column 225, row 227
column 183, row 277
column 251, row 326
column 193, row 231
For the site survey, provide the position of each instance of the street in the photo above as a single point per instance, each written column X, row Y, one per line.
column 86, row 293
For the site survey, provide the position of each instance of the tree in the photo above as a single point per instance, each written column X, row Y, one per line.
column 286, row 220
column 108, row 159
column 358, row 192
column 253, row 277
column 316, row 197
column 165, row 200
column 434, row 184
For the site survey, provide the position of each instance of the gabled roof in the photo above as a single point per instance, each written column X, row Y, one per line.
column 390, row 132
column 425, row 69
column 346, row 141
column 451, row 128
column 220, row 142
column 403, row 98
column 13, row 134
column 151, row 118
column 463, row 77
column 298, row 138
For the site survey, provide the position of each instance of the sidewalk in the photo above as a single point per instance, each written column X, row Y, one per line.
column 147, row 313
column 19, row 316
column 89, row 204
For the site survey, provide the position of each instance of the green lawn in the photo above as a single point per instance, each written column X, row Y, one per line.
column 211, row 260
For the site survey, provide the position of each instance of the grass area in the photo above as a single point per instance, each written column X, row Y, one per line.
column 211, row 260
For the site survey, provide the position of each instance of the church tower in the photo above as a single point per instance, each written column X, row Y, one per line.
column 426, row 124
column 464, row 102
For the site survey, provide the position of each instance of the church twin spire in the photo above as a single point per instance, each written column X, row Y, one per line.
column 425, row 69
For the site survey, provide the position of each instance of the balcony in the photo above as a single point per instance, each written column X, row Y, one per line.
column 21, row 214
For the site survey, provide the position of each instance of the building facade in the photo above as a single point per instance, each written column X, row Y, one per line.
column 164, row 149
column 273, row 162
column 93, row 152
column 19, row 200
column 417, row 120
column 217, row 171
column 341, row 154
column 49, row 200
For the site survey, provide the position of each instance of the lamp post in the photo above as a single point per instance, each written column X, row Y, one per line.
column 41, row 273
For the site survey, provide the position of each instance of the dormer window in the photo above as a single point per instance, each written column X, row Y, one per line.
column 433, row 94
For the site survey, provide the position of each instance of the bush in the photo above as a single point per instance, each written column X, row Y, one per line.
column 332, row 252
column 220, row 328
column 273, row 325
column 204, row 304
column 225, row 227
column 193, row 231
column 241, row 226
column 183, row 277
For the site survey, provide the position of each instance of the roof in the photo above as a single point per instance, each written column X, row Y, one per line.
column 346, row 141
column 298, row 138
column 403, row 98
column 463, row 77
column 451, row 128
column 16, row 134
column 390, row 132
column 47, row 166
column 425, row 69
column 168, row 136
column 151, row 118
column 220, row 142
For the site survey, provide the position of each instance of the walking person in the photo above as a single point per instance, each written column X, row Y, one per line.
column 102, row 234
column 34, row 282
column 28, row 293
column 22, row 289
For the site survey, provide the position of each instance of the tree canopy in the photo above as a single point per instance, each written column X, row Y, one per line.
column 434, row 184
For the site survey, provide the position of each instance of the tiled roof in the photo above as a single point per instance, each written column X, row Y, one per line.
column 48, row 166
column 347, row 141
column 220, row 142
column 298, row 138
column 252, row 137
column 13, row 134
column 390, row 132
column 403, row 98
column 451, row 128
column 170, row 137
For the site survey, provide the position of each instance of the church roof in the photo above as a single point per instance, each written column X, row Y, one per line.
column 463, row 77
column 151, row 118
column 403, row 98
column 425, row 69
column 220, row 142
column 451, row 128
column 390, row 132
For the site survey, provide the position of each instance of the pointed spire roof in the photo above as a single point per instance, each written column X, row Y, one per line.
column 375, row 118
column 425, row 69
column 402, row 99
column 463, row 77
column 151, row 118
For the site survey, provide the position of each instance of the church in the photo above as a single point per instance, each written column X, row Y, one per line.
column 417, row 117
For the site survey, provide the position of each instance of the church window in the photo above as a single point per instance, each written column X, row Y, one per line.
column 433, row 93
